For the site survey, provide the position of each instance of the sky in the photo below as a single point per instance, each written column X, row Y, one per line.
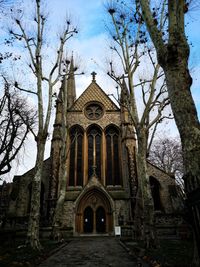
column 90, row 50
column 92, row 42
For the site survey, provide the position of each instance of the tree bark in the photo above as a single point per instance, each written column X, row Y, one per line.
column 34, row 217
column 179, row 82
column 144, row 204
column 57, row 220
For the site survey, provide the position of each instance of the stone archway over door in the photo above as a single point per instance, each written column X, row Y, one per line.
column 93, row 213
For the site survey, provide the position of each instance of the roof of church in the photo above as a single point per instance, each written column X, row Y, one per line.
column 94, row 93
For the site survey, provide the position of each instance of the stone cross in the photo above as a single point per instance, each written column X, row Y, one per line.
column 93, row 76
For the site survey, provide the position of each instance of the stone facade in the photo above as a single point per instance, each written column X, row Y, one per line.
column 165, row 182
column 5, row 191
column 20, row 196
column 101, row 167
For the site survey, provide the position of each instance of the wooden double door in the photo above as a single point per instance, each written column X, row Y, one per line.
column 94, row 220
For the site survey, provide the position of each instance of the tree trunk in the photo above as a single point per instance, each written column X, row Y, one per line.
column 144, row 197
column 179, row 82
column 57, row 220
column 34, row 217
column 173, row 58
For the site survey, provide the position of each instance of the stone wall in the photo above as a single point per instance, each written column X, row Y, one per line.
column 165, row 182
column 68, row 214
column 19, row 199
column 122, row 212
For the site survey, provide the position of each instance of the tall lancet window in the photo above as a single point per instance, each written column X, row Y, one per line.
column 94, row 151
column 113, row 170
column 76, row 156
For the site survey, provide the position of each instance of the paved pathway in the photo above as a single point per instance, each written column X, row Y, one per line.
column 91, row 251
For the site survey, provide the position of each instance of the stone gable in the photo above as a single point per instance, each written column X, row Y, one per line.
column 94, row 93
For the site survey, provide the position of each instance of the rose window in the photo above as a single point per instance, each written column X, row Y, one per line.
column 94, row 111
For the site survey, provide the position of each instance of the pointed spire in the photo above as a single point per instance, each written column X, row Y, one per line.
column 71, row 87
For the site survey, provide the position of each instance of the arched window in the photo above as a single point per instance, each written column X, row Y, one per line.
column 113, row 172
column 76, row 157
column 94, row 150
column 155, row 190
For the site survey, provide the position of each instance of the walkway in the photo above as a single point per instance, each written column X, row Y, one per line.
column 91, row 251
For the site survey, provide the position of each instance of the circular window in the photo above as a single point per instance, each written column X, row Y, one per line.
column 94, row 111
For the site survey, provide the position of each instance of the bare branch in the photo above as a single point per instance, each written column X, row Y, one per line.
column 24, row 90
column 16, row 121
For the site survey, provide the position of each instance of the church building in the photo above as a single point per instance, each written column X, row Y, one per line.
column 101, row 167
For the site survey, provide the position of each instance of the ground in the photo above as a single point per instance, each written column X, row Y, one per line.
column 169, row 253
column 15, row 253
column 97, row 251
column 91, row 251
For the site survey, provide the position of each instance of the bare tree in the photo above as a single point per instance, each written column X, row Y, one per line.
column 34, row 43
column 173, row 53
column 16, row 121
column 131, row 47
column 166, row 153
